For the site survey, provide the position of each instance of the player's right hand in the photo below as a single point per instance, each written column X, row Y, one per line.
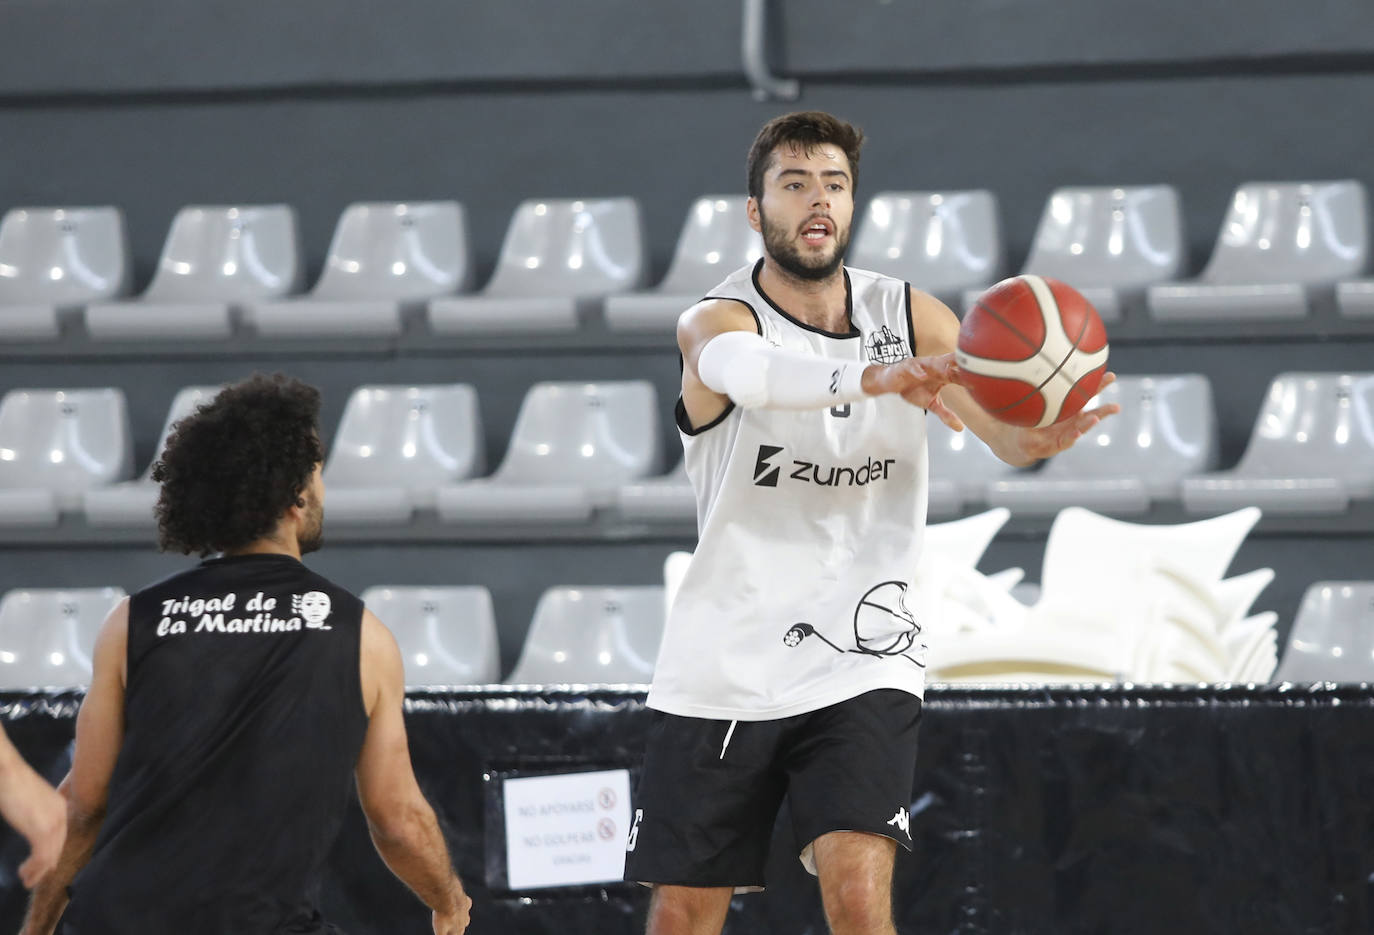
column 918, row 380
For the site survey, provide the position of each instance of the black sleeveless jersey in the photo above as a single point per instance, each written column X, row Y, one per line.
column 243, row 722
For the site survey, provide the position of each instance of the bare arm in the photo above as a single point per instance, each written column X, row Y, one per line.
column 99, row 735
column 403, row 825
column 34, row 809
column 937, row 332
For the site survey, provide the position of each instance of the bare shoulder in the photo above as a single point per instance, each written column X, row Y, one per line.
column 935, row 326
column 711, row 317
column 381, row 663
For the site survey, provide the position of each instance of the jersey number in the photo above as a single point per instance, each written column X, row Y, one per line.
column 840, row 412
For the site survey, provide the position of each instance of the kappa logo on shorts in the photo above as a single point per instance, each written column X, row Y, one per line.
column 902, row 821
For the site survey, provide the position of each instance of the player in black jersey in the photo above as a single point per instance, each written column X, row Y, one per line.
column 233, row 705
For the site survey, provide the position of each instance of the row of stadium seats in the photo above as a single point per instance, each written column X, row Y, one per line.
column 579, row 448
column 1197, row 630
column 447, row 634
column 564, row 261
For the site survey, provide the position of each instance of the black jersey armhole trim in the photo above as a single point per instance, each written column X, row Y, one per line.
column 684, row 425
column 758, row 324
column 910, row 322
column 848, row 307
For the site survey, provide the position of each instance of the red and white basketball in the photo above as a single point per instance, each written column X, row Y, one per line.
column 1032, row 351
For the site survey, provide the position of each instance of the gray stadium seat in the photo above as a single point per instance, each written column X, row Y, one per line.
column 592, row 636
column 659, row 498
column 131, row 503
column 216, row 259
column 57, row 258
column 396, row 445
column 557, row 252
column 961, row 467
column 1333, row 635
column 1355, row 298
column 56, row 444
column 940, row 242
column 1166, row 431
column 574, row 445
column 1277, row 241
column 1110, row 241
column 47, row 635
column 716, row 240
column 384, row 256
column 447, row 635
column 1311, row 451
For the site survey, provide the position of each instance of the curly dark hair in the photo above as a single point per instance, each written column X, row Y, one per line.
column 233, row 467
column 807, row 129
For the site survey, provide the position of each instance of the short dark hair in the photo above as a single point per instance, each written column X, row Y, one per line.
column 806, row 129
column 232, row 468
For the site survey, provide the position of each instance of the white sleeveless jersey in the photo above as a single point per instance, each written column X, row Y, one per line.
column 810, row 525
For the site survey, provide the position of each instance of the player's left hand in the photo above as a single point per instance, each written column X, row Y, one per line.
column 1052, row 439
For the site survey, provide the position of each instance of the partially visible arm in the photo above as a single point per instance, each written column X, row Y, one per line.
column 99, row 735
column 937, row 332
column 403, row 825
column 725, row 360
column 34, row 809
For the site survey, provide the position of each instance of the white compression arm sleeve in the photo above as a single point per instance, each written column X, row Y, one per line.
column 757, row 375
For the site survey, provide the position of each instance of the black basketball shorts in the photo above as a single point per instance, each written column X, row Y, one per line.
column 710, row 791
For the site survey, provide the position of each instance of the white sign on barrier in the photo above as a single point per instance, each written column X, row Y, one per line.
column 567, row 829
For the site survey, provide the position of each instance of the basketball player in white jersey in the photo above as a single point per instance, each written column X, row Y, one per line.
column 792, row 665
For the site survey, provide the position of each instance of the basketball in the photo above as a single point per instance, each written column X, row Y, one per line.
column 1032, row 351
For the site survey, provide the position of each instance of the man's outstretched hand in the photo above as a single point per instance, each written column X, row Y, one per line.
column 918, row 380
column 1052, row 439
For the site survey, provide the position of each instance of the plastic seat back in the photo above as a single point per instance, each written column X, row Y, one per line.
column 185, row 403
column 963, row 458
column 47, row 635
column 1109, row 236
column 1333, row 635
column 1096, row 562
column 962, row 542
column 1303, row 232
column 63, row 256
column 227, row 254
column 447, row 635
column 567, row 247
column 398, row 251
column 1315, row 425
column 592, row 635
column 716, row 240
column 66, row 441
column 597, row 434
column 937, row 241
column 418, row 437
column 1166, row 431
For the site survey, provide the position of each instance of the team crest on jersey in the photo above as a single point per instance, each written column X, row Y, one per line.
column 313, row 607
column 883, row 626
column 884, row 346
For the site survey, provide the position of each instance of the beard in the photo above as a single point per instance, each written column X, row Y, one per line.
column 312, row 537
column 779, row 244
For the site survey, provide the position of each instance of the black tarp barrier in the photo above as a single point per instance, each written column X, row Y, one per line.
column 1118, row 810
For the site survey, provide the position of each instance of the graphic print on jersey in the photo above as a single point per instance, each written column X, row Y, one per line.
column 885, row 347
column 883, row 626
